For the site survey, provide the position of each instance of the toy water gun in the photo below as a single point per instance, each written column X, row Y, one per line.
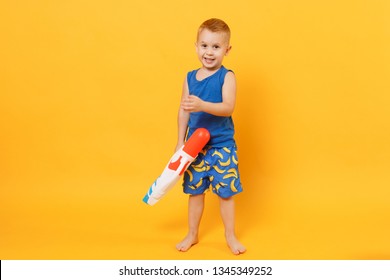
column 177, row 166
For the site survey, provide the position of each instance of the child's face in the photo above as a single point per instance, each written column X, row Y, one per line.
column 211, row 48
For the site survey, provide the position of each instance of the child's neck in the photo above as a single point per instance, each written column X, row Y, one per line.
column 204, row 73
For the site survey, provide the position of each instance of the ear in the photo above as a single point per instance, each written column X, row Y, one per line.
column 228, row 50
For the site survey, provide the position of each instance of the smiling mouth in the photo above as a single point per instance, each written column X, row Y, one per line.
column 208, row 60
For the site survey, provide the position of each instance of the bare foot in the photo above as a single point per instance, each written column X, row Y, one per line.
column 235, row 246
column 187, row 242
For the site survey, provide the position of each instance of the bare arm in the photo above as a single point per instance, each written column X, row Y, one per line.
column 191, row 103
column 182, row 118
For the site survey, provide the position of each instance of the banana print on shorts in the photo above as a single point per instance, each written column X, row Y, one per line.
column 216, row 167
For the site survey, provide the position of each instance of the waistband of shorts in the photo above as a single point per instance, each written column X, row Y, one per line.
column 208, row 147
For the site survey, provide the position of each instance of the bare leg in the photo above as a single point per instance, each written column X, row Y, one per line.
column 227, row 214
column 195, row 211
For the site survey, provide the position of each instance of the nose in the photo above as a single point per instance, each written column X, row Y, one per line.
column 209, row 51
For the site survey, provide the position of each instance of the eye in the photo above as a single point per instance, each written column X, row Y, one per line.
column 204, row 46
column 216, row 47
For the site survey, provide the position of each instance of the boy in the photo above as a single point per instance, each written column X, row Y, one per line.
column 208, row 100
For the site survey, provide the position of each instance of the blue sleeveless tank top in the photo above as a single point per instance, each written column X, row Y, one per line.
column 210, row 89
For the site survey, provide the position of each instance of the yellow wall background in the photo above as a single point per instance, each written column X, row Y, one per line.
column 89, row 92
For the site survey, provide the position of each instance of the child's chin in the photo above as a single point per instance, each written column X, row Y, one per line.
column 211, row 67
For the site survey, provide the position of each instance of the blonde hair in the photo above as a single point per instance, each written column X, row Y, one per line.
column 215, row 25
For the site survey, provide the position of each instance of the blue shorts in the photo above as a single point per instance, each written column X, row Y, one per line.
column 215, row 167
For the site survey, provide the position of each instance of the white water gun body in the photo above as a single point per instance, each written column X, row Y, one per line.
column 177, row 166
